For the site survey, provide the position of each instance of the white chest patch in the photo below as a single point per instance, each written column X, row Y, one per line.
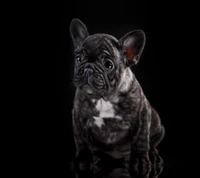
column 106, row 110
column 98, row 121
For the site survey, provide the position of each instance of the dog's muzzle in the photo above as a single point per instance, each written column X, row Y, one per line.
column 90, row 79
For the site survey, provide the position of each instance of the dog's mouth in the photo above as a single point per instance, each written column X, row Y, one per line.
column 91, row 84
column 94, row 84
column 96, row 81
column 90, row 78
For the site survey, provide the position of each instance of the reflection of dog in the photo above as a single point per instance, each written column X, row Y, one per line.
column 111, row 113
column 107, row 167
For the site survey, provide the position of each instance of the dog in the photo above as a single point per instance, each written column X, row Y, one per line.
column 111, row 113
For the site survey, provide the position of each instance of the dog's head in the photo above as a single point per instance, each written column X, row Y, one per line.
column 101, row 61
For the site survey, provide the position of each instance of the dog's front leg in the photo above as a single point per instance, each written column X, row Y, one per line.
column 84, row 153
column 140, row 148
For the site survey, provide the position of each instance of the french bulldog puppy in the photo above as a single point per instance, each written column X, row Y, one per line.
column 111, row 113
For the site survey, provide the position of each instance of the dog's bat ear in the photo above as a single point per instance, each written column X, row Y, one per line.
column 78, row 32
column 132, row 45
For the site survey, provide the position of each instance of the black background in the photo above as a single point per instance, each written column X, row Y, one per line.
column 166, row 71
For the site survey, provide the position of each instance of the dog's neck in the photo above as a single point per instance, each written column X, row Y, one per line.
column 126, row 80
column 127, row 84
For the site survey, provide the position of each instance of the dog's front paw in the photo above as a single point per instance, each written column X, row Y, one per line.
column 83, row 161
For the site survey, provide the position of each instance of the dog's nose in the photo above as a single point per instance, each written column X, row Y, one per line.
column 88, row 71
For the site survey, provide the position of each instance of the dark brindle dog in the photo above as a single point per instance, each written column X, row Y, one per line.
column 111, row 113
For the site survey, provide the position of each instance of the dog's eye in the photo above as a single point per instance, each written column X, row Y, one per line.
column 78, row 59
column 108, row 64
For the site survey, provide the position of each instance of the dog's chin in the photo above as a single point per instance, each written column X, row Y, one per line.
column 91, row 90
column 88, row 89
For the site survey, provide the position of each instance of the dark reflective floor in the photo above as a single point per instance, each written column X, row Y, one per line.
column 107, row 167
column 172, row 168
column 113, row 172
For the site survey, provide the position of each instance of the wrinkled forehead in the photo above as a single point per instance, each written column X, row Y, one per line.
column 99, row 43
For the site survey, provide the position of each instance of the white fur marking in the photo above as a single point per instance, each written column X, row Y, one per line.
column 106, row 110
column 118, row 117
column 98, row 121
column 126, row 79
column 109, row 140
